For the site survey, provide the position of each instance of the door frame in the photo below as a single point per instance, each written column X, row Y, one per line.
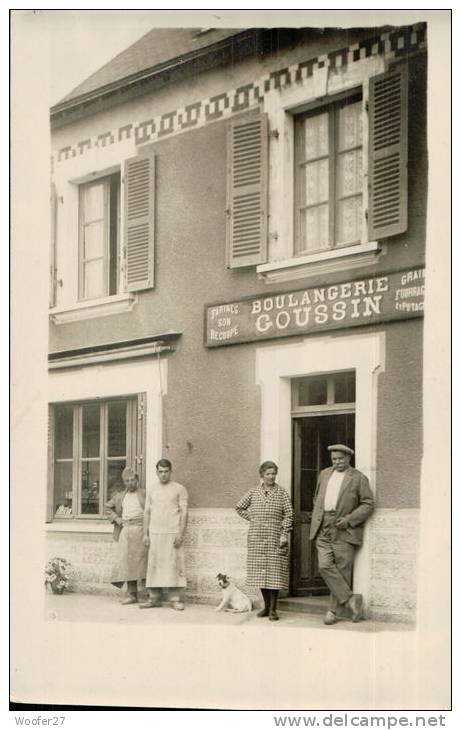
column 278, row 363
column 318, row 585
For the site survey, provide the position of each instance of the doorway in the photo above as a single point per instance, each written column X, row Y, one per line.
column 323, row 413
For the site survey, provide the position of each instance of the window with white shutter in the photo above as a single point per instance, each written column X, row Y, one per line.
column 139, row 182
column 388, row 125
column 247, row 191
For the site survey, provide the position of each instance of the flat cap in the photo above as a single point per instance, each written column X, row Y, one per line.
column 341, row 447
column 128, row 472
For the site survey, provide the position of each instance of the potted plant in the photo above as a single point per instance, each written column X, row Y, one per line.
column 57, row 575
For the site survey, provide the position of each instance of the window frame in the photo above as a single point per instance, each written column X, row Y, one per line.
column 331, row 406
column 332, row 106
column 133, row 455
column 112, row 183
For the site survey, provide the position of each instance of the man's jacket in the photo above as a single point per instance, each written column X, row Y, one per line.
column 114, row 508
column 355, row 503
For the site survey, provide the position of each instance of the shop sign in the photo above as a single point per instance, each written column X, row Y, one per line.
column 358, row 302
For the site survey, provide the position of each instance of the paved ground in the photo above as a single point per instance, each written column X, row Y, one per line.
column 107, row 609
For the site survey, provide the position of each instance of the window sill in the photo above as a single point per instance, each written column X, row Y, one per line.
column 68, row 525
column 117, row 304
column 323, row 262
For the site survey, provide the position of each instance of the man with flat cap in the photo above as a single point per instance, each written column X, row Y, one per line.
column 343, row 502
column 126, row 510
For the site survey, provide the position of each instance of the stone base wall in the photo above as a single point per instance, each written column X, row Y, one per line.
column 394, row 536
column 91, row 556
column 216, row 543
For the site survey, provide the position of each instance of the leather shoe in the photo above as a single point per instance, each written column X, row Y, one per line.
column 264, row 612
column 355, row 603
column 150, row 604
column 330, row 618
column 273, row 616
column 129, row 599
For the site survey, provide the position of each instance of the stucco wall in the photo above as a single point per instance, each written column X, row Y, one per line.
column 190, row 236
column 400, row 417
column 211, row 426
column 212, row 413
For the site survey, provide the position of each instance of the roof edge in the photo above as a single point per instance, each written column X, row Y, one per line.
column 68, row 111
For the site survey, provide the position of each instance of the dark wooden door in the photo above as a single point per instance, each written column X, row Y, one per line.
column 311, row 437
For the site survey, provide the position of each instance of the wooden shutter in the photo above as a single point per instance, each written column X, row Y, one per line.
column 388, row 142
column 53, row 212
column 50, row 470
column 247, row 191
column 139, row 182
column 141, row 438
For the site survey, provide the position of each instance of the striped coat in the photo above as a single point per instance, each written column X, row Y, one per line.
column 269, row 517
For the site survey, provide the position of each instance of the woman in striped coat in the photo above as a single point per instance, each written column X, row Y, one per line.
column 268, row 509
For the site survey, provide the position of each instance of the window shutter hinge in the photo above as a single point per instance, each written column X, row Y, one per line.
column 140, row 410
column 274, row 235
column 367, row 106
column 366, row 214
column 274, row 134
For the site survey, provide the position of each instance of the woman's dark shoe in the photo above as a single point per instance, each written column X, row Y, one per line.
column 264, row 612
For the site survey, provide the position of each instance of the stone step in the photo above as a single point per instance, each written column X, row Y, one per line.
column 304, row 604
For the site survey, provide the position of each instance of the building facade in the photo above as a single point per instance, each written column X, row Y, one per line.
column 237, row 274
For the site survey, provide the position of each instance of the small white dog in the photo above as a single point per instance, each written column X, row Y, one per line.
column 233, row 599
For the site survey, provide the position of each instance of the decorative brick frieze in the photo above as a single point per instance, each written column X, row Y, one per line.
column 390, row 44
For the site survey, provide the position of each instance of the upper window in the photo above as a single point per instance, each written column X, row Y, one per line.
column 359, row 135
column 110, row 252
column 328, row 177
column 99, row 213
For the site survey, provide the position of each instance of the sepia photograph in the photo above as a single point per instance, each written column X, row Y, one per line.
column 228, row 384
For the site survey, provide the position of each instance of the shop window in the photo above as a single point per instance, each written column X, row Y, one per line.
column 329, row 178
column 91, row 443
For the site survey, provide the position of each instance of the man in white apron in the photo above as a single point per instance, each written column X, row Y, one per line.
column 165, row 518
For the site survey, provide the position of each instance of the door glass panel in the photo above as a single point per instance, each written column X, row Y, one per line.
column 63, row 431
column 63, row 489
column 312, row 391
column 344, row 387
column 309, row 466
column 90, row 488
column 117, row 428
